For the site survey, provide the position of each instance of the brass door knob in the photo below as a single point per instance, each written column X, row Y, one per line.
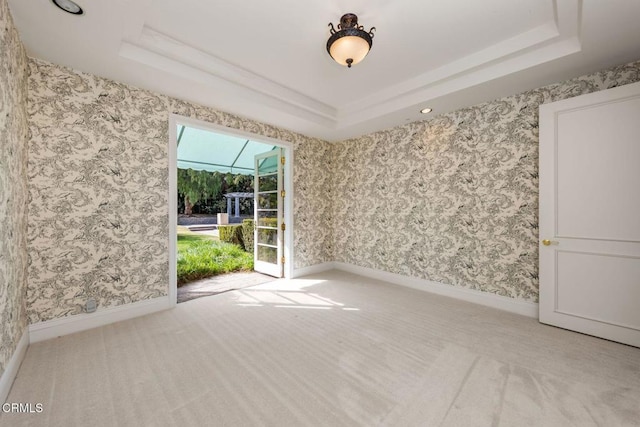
column 548, row 242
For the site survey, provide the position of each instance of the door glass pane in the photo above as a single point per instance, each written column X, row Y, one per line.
column 268, row 218
column 268, row 236
column 268, row 201
column 267, row 254
column 268, row 165
column 268, row 183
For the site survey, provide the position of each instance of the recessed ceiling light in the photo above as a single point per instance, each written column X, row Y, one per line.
column 68, row 6
column 426, row 110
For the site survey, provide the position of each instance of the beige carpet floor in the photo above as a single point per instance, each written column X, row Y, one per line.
column 333, row 349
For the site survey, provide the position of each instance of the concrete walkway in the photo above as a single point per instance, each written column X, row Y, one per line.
column 222, row 283
column 214, row 233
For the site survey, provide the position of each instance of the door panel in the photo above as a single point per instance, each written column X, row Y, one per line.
column 269, row 237
column 268, row 213
column 268, row 255
column 267, row 218
column 590, row 214
column 596, row 171
column 268, row 201
column 269, row 164
column 268, row 182
column 590, row 285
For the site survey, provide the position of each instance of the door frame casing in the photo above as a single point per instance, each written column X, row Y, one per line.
column 176, row 119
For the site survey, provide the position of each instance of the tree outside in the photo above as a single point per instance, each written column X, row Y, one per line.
column 203, row 192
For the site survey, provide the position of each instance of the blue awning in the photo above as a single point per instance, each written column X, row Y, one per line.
column 206, row 150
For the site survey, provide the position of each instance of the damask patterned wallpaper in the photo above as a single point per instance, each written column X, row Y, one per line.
column 453, row 199
column 13, row 187
column 98, row 184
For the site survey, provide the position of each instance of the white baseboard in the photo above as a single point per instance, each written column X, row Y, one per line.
column 11, row 369
column 81, row 322
column 524, row 308
column 313, row 269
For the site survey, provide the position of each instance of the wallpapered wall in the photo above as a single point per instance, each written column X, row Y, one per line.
column 13, row 187
column 98, row 184
column 453, row 199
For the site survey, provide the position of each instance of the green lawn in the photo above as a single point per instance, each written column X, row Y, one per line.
column 201, row 256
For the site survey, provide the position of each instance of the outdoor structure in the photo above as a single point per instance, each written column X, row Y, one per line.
column 236, row 197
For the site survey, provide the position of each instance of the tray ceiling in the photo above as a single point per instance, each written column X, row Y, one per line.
column 267, row 60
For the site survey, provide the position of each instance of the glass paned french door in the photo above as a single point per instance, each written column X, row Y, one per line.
column 268, row 213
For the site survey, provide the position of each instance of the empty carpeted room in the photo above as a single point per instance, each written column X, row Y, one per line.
column 451, row 213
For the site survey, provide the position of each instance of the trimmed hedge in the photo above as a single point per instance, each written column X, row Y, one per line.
column 247, row 234
column 231, row 233
column 242, row 234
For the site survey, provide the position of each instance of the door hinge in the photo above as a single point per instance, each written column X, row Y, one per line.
column 282, row 193
column 282, row 160
column 282, row 260
column 282, row 226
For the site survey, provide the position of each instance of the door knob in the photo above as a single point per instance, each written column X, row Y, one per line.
column 548, row 242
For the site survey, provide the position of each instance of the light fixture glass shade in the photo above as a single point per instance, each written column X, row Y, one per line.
column 350, row 44
column 68, row 6
column 349, row 47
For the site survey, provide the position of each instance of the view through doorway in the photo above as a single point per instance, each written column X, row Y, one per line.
column 229, row 209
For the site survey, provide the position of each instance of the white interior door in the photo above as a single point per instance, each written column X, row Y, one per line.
column 590, row 214
column 268, row 213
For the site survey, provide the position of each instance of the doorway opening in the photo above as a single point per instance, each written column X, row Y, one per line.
column 230, row 207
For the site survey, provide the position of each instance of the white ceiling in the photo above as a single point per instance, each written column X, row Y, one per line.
column 267, row 60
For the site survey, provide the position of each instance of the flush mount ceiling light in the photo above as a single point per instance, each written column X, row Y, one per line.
column 350, row 44
column 426, row 110
column 68, row 6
